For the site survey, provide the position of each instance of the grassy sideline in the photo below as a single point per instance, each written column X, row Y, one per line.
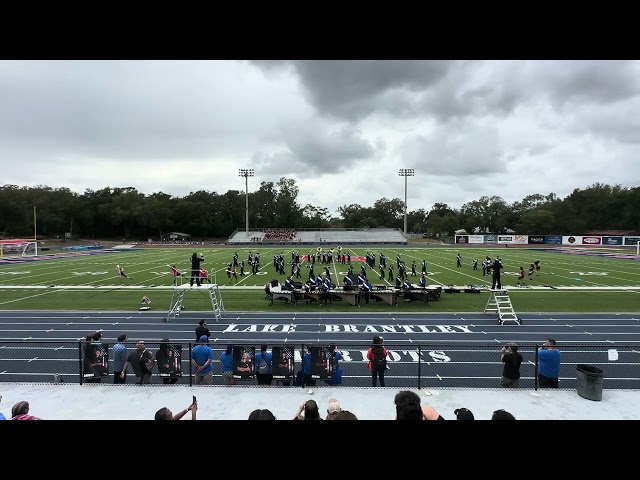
column 613, row 283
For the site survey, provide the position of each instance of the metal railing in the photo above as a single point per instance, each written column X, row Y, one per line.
column 422, row 365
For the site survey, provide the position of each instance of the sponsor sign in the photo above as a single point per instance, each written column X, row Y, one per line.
column 553, row 240
column 521, row 239
column 631, row 240
column 476, row 238
column 571, row 240
column 490, row 239
column 539, row 239
column 462, row 238
column 505, row 238
column 591, row 240
column 612, row 240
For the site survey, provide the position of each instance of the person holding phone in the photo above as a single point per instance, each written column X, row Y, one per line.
column 165, row 414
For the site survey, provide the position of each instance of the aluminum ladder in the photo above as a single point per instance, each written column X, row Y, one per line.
column 500, row 303
column 177, row 300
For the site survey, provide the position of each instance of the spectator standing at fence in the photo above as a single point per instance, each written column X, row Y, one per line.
column 166, row 362
column 377, row 356
column 309, row 381
column 226, row 360
column 141, row 361
column 548, row 365
column 264, row 378
column 195, row 269
column 202, row 360
column 120, row 360
column 336, row 356
column 511, row 370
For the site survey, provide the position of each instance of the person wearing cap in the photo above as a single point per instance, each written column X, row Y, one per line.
column 120, row 360
column 140, row 360
column 226, row 360
column 548, row 364
column 511, row 370
column 463, row 414
column 333, row 409
column 202, row 360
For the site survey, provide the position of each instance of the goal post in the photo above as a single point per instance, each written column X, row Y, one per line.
column 18, row 248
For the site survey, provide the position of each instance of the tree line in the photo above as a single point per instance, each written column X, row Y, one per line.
column 123, row 212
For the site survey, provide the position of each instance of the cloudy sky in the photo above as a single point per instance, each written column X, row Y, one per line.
column 340, row 129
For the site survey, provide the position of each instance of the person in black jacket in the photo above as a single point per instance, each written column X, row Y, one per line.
column 202, row 330
column 511, row 370
column 195, row 268
column 496, row 267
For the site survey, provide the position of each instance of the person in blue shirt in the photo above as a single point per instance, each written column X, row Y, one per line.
column 423, row 281
column 264, row 378
column 548, row 365
column 202, row 360
column 306, row 367
column 227, row 366
column 120, row 360
column 336, row 356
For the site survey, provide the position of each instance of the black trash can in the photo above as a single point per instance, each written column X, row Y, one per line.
column 590, row 380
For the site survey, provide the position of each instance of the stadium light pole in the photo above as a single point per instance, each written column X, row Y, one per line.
column 246, row 173
column 405, row 172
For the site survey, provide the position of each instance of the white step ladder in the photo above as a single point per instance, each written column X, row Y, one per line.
column 177, row 300
column 500, row 302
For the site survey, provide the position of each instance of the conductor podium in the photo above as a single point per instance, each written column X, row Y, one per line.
column 179, row 292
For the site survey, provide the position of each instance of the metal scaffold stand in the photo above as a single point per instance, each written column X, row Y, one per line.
column 179, row 292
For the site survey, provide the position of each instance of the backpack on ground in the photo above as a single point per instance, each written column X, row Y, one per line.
column 263, row 367
column 379, row 359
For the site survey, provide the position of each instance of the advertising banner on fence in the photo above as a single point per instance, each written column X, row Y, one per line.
column 591, row 240
column 521, row 239
column 553, row 239
column 490, row 239
column 571, row 240
column 476, row 238
column 631, row 240
column 505, row 238
column 612, row 240
column 537, row 239
column 462, row 238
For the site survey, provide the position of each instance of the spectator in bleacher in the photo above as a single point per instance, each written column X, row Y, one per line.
column 548, row 364
column 308, row 411
column 463, row 414
column 511, row 370
column 261, row 414
column 408, row 407
column 502, row 415
column 165, row 414
column 345, row 415
column 333, row 409
column 336, row 356
column 20, row 411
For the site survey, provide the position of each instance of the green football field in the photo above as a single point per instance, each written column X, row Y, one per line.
column 570, row 280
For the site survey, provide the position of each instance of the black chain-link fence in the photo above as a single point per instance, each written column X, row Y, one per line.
column 423, row 365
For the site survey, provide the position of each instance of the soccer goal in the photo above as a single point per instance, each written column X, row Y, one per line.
column 18, row 248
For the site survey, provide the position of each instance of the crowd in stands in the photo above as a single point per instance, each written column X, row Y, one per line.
column 407, row 407
column 279, row 235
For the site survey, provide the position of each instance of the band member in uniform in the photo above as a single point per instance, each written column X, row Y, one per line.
column 195, row 269
column 520, row 277
column 537, row 264
column 413, row 269
column 121, row 273
column 458, row 260
column 475, row 264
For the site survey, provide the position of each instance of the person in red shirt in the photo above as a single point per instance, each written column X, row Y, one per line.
column 377, row 356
